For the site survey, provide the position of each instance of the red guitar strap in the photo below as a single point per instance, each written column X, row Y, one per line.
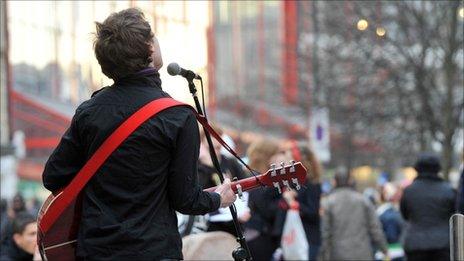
column 201, row 119
column 72, row 190
column 103, row 152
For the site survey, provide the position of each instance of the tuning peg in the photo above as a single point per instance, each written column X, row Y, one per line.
column 277, row 186
column 296, row 183
column 286, row 184
column 282, row 170
column 239, row 191
column 292, row 166
column 273, row 170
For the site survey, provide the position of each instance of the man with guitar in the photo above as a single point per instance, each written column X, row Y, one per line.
column 129, row 204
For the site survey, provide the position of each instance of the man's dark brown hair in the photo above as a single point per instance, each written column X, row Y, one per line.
column 122, row 43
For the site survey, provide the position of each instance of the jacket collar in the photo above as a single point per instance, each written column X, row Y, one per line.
column 146, row 77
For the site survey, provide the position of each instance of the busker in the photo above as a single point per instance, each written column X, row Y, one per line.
column 129, row 204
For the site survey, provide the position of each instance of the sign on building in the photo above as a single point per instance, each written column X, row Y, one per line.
column 319, row 133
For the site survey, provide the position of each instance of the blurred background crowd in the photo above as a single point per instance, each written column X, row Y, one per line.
column 356, row 90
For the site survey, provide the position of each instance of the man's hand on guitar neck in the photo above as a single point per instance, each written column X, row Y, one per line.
column 227, row 194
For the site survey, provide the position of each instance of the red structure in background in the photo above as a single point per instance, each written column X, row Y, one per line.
column 43, row 128
column 289, row 56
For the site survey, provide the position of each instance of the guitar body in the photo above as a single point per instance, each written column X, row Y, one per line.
column 59, row 242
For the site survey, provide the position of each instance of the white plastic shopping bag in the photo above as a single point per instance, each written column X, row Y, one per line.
column 294, row 243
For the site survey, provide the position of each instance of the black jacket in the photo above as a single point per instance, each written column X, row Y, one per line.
column 129, row 204
column 309, row 197
column 427, row 204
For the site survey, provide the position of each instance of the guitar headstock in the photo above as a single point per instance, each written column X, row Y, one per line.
column 285, row 176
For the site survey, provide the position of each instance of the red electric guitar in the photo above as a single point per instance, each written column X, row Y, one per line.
column 58, row 241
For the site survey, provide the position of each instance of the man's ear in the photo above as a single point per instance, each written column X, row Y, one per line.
column 17, row 238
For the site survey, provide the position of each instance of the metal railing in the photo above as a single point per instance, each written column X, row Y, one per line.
column 457, row 237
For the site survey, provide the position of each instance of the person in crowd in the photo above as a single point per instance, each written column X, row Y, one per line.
column 264, row 229
column 18, row 205
column 23, row 244
column 4, row 220
column 350, row 226
column 460, row 194
column 427, row 204
column 129, row 206
column 389, row 215
column 221, row 220
column 308, row 196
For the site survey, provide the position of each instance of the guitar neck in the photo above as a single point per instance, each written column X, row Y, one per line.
column 246, row 184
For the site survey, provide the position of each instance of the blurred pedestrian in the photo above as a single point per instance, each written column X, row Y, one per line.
column 18, row 205
column 389, row 215
column 350, row 226
column 23, row 245
column 460, row 195
column 427, row 204
column 308, row 197
column 221, row 219
column 264, row 229
column 391, row 220
column 4, row 220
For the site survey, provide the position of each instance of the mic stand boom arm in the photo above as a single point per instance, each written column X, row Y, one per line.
column 242, row 252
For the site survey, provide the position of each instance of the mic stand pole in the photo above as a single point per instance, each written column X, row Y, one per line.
column 242, row 252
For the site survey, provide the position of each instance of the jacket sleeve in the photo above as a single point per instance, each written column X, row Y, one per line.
column 65, row 161
column 375, row 228
column 184, row 191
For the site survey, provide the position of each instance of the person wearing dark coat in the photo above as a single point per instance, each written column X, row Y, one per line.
column 23, row 244
column 264, row 228
column 427, row 204
column 129, row 206
column 460, row 194
column 460, row 197
column 209, row 177
column 308, row 197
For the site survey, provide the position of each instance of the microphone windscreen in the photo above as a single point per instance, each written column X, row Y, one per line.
column 173, row 69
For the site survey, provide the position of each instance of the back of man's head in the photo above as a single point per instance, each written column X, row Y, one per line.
column 342, row 179
column 124, row 43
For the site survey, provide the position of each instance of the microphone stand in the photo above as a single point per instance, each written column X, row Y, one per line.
column 242, row 252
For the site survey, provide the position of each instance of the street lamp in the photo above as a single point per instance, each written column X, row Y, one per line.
column 362, row 25
column 380, row 31
column 461, row 12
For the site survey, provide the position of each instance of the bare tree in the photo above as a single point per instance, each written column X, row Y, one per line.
column 403, row 89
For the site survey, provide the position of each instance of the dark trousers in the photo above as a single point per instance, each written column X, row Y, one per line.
column 433, row 255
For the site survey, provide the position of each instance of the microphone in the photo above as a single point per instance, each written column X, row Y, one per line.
column 174, row 69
